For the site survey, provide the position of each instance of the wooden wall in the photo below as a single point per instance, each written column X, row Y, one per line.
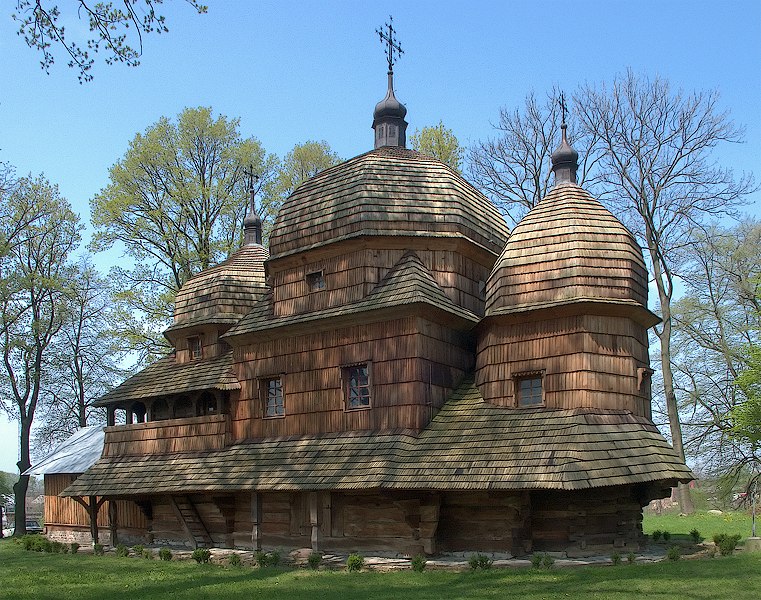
column 587, row 360
column 163, row 437
column 415, row 364
column 351, row 276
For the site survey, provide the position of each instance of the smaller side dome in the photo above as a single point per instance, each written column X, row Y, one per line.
column 565, row 161
column 569, row 247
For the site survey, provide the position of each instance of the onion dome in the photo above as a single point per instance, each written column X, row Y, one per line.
column 568, row 248
column 388, row 119
column 221, row 294
column 389, row 191
column 565, row 161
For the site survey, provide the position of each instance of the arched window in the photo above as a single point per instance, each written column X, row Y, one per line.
column 183, row 407
column 208, row 404
column 160, row 410
column 138, row 412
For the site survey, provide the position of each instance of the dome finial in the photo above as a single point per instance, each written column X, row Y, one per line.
column 388, row 118
column 565, row 160
column 252, row 224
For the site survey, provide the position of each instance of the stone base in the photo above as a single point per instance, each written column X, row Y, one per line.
column 752, row 544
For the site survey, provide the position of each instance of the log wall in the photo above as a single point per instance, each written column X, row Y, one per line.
column 586, row 360
column 163, row 437
column 414, row 365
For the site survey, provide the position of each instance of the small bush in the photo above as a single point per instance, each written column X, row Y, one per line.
column 234, row 560
column 355, row 562
column 631, row 557
column 148, row 553
column 717, row 537
column 64, row 548
column 418, row 563
column 666, row 536
column 536, row 560
column 314, row 560
column 657, row 535
column 273, row 559
column 261, row 559
column 74, row 547
column 201, row 555
column 138, row 550
column 728, row 543
column 615, row 558
column 165, row 554
column 122, row 551
column 480, row 561
column 673, row 553
column 696, row 537
column 57, row 547
column 98, row 550
column 547, row 561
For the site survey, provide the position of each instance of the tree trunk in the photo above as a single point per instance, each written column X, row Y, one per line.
column 21, row 486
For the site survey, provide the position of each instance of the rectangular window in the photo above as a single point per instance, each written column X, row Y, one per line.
column 196, row 350
column 272, row 397
column 356, row 381
column 529, row 390
column 316, row 281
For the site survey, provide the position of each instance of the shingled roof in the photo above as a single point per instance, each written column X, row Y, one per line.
column 568, row 247
column 389, row 191
column 468, row 445
column 165, row 377
column 409, row 282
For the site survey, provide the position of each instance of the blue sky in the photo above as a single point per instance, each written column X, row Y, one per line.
column 295, row 71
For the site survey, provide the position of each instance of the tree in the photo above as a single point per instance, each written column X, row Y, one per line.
column 85, row 364
column 716, row 321
column 33, row 290
column 439, row 142
column 110, row 29
column 657, row 167
column 514, row 167
column 175, row 205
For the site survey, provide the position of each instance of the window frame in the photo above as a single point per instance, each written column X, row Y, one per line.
column 192, row 341
column 519, row 378
column 315, row 281
column 264, row 396
column 346, row 375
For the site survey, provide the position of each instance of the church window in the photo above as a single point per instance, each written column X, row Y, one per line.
column 207, row 404
column 271, row 391
column 528, row 388
column 160, row 410
column 195, row 348
column 316, row 281
column 356, row 383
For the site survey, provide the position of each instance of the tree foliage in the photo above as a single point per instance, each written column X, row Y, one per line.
column 300, row 164
column 174, row 206
column 34, row 278
column 439, row 142
column 110, row 30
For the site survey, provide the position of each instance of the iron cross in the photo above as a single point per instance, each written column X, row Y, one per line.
column 391, row 44
column 249, row 172
column 563, row 106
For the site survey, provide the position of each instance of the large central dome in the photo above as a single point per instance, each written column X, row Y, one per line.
column 390, row 191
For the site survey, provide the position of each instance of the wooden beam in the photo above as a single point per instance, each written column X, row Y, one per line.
column 314, row 519
column 112, row 522
column 256, row 520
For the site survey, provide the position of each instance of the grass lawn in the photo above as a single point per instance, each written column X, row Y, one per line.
column 707, row 524
column 85, row 577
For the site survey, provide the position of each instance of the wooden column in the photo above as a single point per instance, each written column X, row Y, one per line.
column 314, row 519
column 92, row 506
column 256, row 520
column 112, row 522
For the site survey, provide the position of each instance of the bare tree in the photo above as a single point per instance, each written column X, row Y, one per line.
column 514, row 169
column 658, row 166
column 33, row 276
column 109, row 26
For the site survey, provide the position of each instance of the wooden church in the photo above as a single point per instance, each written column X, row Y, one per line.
column 397, row 373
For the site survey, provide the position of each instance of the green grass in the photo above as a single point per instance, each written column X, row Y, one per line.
column 707, row 524
column 29, row 575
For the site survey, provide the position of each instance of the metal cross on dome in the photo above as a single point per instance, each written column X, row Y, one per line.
column 249, row 172
column 563, row 107
column 392, row 45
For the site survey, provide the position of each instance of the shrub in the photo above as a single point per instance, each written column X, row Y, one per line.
column 418, row 563
column 234, row 560
column 122, row 551
column 138, row 550
column 273, row 559
column 56, row 547
column 728, row 543
column 98, row 550
column 717, row 537
column 148, row 553
column 615, row 558
column 165, row 553
column 64, row 548
column 536, row 560
column 631, row 557
column 673, row 553
column 261, row 558
column 201, row 555
column 314, row 560
column 666, row 536
column 74, row 547
column 657, row 535
column 696, row 537
column 355, row 562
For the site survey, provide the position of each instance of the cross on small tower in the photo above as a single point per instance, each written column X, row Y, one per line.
column 391, row 44
column 563, row 107
column 252, row 177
